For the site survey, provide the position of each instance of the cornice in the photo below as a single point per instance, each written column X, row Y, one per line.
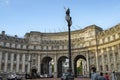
column 110, row 31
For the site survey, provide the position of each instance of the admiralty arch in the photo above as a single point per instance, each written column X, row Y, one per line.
column 45, row 53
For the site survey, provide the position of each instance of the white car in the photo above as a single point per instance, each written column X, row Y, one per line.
column 13, row 76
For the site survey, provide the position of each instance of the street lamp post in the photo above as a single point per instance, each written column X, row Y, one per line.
column 69, row 21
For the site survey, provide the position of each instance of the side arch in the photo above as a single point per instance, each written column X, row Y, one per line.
column 75, row 63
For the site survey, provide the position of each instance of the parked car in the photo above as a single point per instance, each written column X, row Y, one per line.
column 11, row 77
column 1, row 78
column 66, row 75
column 18, row 77
column 14, row 76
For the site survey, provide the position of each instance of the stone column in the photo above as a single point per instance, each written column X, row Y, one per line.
column 29, row 63
column 108, row 58
column 6, row 62
column 96, row 53
column 55, row 66
column 96, row 56
column 88, row 62
column 39, row 67
column 18, row 61
column 0, row 59
column 103, row 62
column 72, row 61
column 114, row 60
column 12, row 57
column 119, row 56
column 23, row 63
column 118, row 47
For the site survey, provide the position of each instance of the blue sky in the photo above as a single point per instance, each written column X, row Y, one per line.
column 18, row 17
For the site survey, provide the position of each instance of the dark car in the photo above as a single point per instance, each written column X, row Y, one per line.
column 64, row 76
column 67, row 76
column 0, row 77
column 18, row 77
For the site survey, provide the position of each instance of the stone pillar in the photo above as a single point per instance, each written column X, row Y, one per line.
column 39, row 67
column 88, row 62
column 23, row 63
column 96, row 56
column 114, row 60
column 0, row 59
column 12, row 57
column 108, row 58
column 29, row 63
column 6, row 62
column 55, row 66
column 72, row 61
column 103, row 62
column 18, row 61
column 118, row 48
column 119, row 56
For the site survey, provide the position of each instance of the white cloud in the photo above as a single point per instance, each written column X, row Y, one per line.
column 5, row 2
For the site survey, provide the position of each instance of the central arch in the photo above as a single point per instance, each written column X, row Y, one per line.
column 60, row 68
column 83, row 59
column 45, row 66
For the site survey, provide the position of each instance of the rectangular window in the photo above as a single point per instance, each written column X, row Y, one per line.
column 26, row 57
column 106, row 67
column 101, row 68
column 9, row 56
column 2, row 66
column 20, row 57
column 113, row 37
column 3, row 56
column 15, row 57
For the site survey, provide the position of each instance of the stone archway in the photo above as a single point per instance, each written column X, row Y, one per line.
column 75, row 63
column 45, row 66
column 60, row 63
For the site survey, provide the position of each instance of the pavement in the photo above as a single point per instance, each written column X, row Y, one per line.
column 59, row 79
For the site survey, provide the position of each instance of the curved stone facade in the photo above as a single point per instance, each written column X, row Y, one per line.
column 99, row 48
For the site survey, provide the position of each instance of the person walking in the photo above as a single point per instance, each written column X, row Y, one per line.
column 101, row 77
column 94, row 75
column 113, row 77
column 107, row 76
